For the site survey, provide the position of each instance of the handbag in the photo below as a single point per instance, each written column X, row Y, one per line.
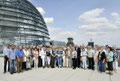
column 80, row 58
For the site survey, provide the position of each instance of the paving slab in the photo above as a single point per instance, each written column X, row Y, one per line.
column 58, row 74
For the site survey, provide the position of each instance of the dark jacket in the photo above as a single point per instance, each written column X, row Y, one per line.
column 101, row 56
column 78, row 52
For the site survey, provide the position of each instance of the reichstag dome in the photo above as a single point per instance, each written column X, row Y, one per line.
column 21, row 23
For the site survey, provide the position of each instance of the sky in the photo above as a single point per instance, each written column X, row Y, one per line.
column 83, row 20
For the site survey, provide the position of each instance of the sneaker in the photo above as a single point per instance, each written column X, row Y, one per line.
column 111, row 73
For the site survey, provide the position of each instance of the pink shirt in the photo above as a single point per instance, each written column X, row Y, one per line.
column 35, row 54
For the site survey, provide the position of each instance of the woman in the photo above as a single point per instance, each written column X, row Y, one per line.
column 48, row 55
column 84, row 55
column 69, row 58
column 101, row 59
column 116, row 59
column 65, row 59
column 35, row 54
column 74, row 58
column 60, row 54
column 110, row 60
column 96, row 51
column 27, row 53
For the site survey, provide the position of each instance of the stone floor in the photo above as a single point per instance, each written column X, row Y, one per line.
column 58, row 74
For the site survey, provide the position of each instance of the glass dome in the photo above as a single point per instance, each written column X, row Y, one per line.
column 21, row 23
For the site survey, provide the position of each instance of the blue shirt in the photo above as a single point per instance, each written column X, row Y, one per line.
column 19, row 53
column 110, row 54
column 116, row 54
column 12, row 54
column 59, row 53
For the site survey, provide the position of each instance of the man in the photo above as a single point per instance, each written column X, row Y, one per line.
column 78, row 49
column 39, row 58
column 90, row 58
column 20, row 55
column 12, row 58
column 31, row 56
column 6, row 59
column 26, row 60
column 48, row 55
column 74, row 58
column 53, row 57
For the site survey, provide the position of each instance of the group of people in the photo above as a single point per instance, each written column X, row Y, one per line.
column 97, row 58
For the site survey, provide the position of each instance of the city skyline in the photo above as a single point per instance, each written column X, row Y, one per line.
column 82, row 20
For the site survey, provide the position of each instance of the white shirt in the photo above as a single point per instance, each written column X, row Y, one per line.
column 90, row 53
column 96, row 55
column 74, row 54
column 42, row 53
column 5, row 51
column 27, row 53
column 106, row 51
column 84, row 54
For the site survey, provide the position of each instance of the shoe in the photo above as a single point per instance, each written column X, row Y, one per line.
column 108, row 73
column 111, row 73
column 4, row 72
column 11, row 73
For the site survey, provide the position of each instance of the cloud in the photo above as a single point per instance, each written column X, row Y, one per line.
column 96, row 33
column 95, row 23
column 41, row 10
column 92, row 25
column 92, row 16
column 101, row 29
column 116, row 18
column 68, row 33
column 49, row 20
column 54, row 29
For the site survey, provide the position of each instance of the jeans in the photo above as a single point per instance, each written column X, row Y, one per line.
column 59, row 61
column 5, row 64
column 101, row 66
column 12, row 66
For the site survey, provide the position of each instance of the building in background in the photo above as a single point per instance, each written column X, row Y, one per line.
column 21, row 23
column 91, row 43
column 70, row 42
column 57, row 43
